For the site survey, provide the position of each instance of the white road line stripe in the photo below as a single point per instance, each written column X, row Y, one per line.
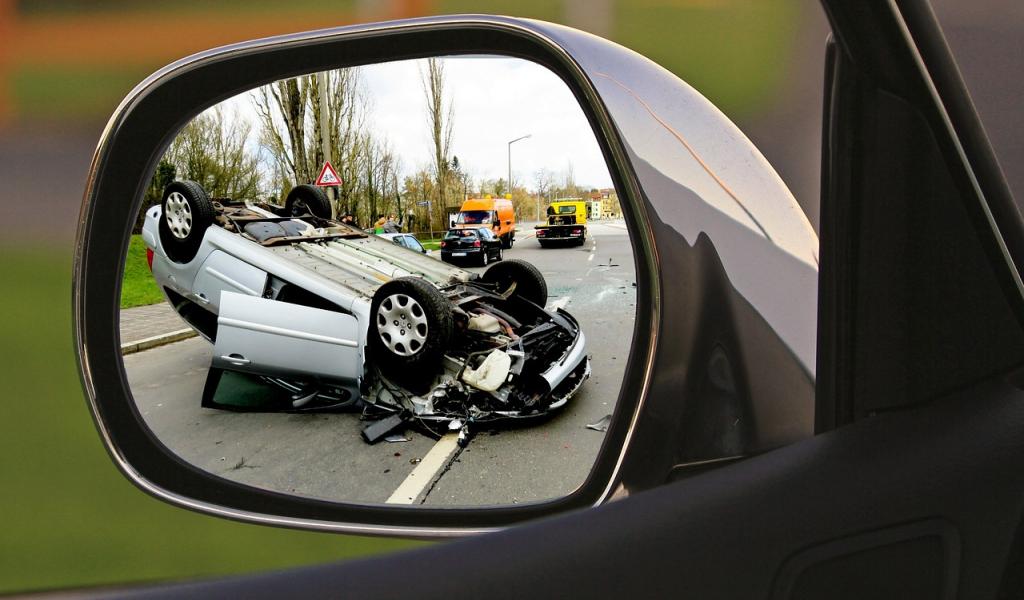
column 591, row 257
column 425, row 472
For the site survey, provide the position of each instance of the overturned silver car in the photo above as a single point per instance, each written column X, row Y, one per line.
column 339, row 319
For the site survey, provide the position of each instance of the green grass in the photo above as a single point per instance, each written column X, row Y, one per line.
column 68, row 517
column 138, row 288
column 434, row 244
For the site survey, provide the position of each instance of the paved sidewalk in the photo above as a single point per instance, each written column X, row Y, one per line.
column 145, row 327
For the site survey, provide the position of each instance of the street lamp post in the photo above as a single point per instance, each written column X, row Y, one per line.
column 510, row 159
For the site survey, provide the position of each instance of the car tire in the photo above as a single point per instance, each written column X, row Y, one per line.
column 501, row 255
column 484, row 258
column 410, row 355
column 307, row 199
column 506, row 241
column 529, row 282
column 186, row 212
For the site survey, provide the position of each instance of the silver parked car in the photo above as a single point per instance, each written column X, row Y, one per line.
column 341, row 318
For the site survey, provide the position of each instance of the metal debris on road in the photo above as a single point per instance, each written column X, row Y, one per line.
column 601, row 424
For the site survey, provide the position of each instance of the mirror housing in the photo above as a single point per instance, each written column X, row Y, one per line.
column 708, row 217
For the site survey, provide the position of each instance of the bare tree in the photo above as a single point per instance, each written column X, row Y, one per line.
column 211, row 150
column 440, row 115
column 543, row 182
column 290, row 115
column 286, row 102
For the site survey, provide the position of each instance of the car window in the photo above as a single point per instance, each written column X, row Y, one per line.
column 413, row 244
column 474, row 217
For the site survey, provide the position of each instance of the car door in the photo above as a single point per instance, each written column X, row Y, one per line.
column 913, row 486
column 490, row 242
column 221, row 273
column 266, row 337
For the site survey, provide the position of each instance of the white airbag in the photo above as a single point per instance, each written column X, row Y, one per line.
column 491, row 373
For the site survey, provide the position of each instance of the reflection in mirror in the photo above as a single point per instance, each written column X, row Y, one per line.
column 401, row 283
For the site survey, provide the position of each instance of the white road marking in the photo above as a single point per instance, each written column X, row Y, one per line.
column 591, row 257
column 426, row 472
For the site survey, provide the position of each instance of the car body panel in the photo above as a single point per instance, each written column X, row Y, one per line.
column 262, row 336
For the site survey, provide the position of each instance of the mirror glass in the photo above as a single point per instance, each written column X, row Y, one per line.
column 404, row 283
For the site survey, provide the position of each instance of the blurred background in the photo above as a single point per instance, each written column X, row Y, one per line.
column 68, row 517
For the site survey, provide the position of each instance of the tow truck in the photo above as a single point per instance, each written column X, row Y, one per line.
column 566, row 224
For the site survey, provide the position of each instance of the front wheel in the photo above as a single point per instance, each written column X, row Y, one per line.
column 410, row 330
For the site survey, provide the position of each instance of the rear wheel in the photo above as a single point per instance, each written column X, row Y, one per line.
column 186, row 212
column 484, row 257
column 528, row 281
column 307, row 199
column 410, row 330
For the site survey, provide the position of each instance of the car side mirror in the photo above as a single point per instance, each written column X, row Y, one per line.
column 716, row 361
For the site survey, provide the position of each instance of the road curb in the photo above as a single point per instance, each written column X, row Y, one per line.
column 156, row 340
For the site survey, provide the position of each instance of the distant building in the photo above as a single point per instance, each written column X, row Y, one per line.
column 610, row 208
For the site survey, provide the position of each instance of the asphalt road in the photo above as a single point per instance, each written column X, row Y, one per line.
column 324, row 456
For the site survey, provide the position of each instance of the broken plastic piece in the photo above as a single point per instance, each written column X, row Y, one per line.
column 396, row 438
column 485, row 323
column 373, row 432
column 491, row 373
column 463, row 439
column 601, row 424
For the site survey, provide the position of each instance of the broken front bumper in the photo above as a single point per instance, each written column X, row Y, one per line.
column 574, row 355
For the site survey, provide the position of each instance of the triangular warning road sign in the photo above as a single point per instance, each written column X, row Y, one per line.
column 328, row 176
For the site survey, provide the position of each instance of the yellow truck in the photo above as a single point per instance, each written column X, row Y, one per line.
column 566, row 224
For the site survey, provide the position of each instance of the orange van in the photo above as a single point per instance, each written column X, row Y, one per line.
column 497, row 213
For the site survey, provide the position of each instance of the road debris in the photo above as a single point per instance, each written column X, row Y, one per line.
column 601, row 424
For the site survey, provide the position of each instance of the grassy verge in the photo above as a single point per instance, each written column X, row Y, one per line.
column 434, row 244
column 138, row 288
column 68, row 517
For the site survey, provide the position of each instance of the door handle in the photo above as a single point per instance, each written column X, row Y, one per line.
column 236, row 359
column 201, row 298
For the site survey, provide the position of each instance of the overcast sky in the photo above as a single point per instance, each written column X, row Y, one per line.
column 496, row 99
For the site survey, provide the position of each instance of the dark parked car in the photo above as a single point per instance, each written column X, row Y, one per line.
column 473, row 246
